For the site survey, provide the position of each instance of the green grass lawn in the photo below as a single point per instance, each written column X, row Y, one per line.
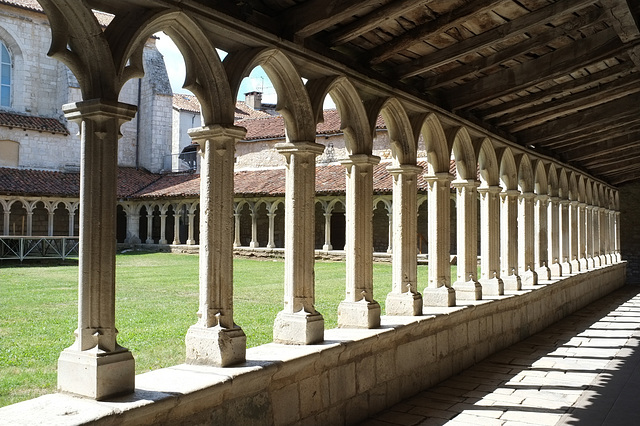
column 157, row 301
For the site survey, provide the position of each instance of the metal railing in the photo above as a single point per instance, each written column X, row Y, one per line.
column 183, row 162
column 37, row 247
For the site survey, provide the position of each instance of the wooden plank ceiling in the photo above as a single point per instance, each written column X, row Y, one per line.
column 557, row 76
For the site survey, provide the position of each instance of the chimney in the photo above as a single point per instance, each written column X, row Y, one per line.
column 253, row 100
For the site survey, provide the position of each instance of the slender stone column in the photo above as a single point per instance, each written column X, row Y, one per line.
column 540, row 237
column 236, row 228
column 492, row 285
column 597, row 237
column 272, row 223
column 467, row 286
column 390, row 245
column 565, row 235
column 149, row 225
column 404, row 298
column 610, row 237
column 254, row 227
column 7, row 217
column 176, row 226
column 582, row 236
column 191, row 231
column 602, row 240
column 50, row 216
column 573, row 236
column 439, row 291
column 359, row 309
column 30, row 221
column 299, row 322
column 215, row 339
column 589, row 234
column 617, row 234
column 72, row 222
column 133, row 225
column 509, row 239
column 163, row 226
column 327, row 230
column 526, row 261
column 553, row 216
column 96, row 366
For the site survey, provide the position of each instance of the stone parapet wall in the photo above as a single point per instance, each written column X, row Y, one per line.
column 352, row 375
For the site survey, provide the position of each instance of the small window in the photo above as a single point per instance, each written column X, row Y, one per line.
column 5, row 76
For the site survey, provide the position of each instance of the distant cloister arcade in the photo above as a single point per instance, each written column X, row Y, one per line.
column 537, row 216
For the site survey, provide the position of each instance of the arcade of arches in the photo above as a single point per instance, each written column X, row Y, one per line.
column 537, row 222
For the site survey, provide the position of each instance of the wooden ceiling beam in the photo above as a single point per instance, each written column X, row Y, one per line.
column 538, row 114
column 585, row 148
column 440, row 24
column 553, row 92
column 621, row 18
column 312, row 16
column 628, row 106
column 372, row 20
column 596, row 48
column 598, row 132
column 483, row 63
column 612, row 158
column 511, row 29
column 621, row 165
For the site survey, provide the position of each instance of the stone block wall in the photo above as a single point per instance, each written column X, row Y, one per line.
column 352, row 375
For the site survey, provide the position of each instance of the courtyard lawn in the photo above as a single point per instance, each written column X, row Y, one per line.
column 157, row 301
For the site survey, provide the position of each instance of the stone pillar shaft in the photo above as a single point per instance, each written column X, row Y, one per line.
column 299, row 322
column 163, row 228
column 554, row 237
column 149, row 225
column 509, row 239
column 359, row 309
column 72, row 223
column 190, row 237
column 50, row 223
column 254, row 227
column 526, row 262
column 466, row 285
column 215, row 339
column 582, row 236
column 327, row 231
column 7, row 216
column 272, row 219
column 176, row 226
column 565, row 235
column 133, row 225
column 492, row 285
column 236, row 229
column 573, row 237
column 540, row 242
column 96, row 365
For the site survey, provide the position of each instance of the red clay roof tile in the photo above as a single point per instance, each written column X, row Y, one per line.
column 30, row 122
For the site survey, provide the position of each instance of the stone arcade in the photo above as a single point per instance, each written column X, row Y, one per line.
column 549, row 230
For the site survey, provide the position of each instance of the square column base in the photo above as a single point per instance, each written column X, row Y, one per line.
column 404, row 304
column 468, row 290
column 566, row 268
column 544, row 273
column 529, row 277
column 215, row 346
column 300, row 328
column 556, row 270
column 512, row 283
column 97, row 376
column 360, row 314
column 591, row 263
column 575, row 266
column 583, row 264
column 492, row 287
column 441, row 297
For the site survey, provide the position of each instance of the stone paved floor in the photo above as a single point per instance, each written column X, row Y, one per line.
column 582, row 370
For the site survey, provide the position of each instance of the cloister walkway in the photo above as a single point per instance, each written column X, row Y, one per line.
column 584, row 369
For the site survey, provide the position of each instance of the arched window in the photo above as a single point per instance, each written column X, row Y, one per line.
column 5, row 76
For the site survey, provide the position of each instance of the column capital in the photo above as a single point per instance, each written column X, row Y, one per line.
column 590, row 207
column 303, row 147
column 99, row 110
column 465, row 183
column 216, row 131
column 439, row 177
column 404, row 169
column 527, row 195
column 510, row 193
column 564, row 201
column 493, row 189
column 360, row 159
column 543, row 198
column 582, row 205
column 574, row 203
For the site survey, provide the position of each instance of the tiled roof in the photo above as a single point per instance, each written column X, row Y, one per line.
column 185, row 102
column 37, row 183
column 104, row 19
column 30, row 122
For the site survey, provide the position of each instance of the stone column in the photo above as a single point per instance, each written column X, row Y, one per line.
column 526, row 262
column 597, row 242
column 299, row 322
column 50, row 216
column 553, row 216
column 574, row 253
column 390, row 245
column 617, row 234
column 191, row 230
column 236, row 228
column 565, row 235
column 582, row 236
column 610, row 236
column 176, row 226
column 509, row 239
column 439, row 291
column 133, row 224
column 96, row 366
column 163, row 226
column 254, row 227
column 272, row 223
column 404, row 298
column 602, row 240
column 7, row 217
column 589, row 237
column 72, row 223
column 358, row 308
column 466, row 285
column 540, row 241
column 149, row 225
column 215, row 339
column 327, row 230
column 492, row 285
column 30, row 221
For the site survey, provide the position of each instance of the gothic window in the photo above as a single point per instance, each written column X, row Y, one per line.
column 5, row 76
